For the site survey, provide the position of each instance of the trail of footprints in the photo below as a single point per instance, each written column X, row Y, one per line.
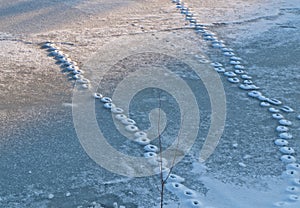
column 69, row 66
column 238, row 76
column 188, row 197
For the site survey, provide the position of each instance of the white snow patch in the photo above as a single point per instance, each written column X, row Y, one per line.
column 69, row 105
column 50, row 196
column 242, row 164
column 199, row 168
column 225, row 195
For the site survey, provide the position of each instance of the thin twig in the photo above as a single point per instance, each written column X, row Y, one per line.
column 162, row 180
column 160, row 155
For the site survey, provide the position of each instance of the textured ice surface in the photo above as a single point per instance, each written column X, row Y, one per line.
column 43, row 165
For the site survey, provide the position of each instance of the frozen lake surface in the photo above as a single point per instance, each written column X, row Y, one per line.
column 42, row 162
